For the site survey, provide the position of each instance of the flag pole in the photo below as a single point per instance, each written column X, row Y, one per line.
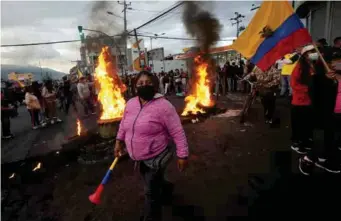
column 322, row 59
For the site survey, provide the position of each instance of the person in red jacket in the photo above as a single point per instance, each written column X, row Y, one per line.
column 301, row 111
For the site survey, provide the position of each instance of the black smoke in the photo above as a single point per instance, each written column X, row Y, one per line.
column 100, row 20
column 201, row 24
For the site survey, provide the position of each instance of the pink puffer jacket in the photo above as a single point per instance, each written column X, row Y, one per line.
column 147, row 130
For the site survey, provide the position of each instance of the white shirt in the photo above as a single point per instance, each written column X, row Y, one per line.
column 282, row 62
column 83, row 90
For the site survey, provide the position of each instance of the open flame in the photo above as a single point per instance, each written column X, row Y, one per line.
column 79, row 128
column 110, row 87
column 37, row 167
column 200, row 91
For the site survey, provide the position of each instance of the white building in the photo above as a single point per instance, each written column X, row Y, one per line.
column 322, row 18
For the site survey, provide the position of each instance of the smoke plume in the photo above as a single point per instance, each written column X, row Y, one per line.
column 100, row 20
column 201, row 25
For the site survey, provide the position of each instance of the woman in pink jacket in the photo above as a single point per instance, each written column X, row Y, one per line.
column 148, row 125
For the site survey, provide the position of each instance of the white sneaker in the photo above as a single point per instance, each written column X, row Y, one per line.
column 59, row 120
column 321, row 159
column 35, row 127
column 52, row 121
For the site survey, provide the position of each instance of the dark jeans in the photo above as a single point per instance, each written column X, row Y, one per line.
column 87, row 104
column 34, row 117
column 269, row 104
column 5, row 123
column 69, row 101
column 301, row 124
column 153, row 181
column 178, row 87
column 157, row 189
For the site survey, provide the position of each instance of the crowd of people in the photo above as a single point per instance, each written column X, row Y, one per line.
column 314, row 88
column 169, row 83
column 45, row 101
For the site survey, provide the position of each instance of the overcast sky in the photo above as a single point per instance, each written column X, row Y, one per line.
column 33, row 21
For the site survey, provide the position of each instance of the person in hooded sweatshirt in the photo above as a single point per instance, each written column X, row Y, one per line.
column 148, row 125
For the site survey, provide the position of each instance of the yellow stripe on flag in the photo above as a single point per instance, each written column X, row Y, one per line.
column 80, row 74
column 271, row 14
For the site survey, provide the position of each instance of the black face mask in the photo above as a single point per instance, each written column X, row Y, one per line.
column 146, row 92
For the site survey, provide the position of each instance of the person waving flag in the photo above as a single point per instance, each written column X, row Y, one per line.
column 274, row 31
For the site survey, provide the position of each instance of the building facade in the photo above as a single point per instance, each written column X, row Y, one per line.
column 92, row 47
column 322, row 18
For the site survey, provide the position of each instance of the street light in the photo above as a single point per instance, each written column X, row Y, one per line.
column 151, row 45
column 254, row 7
column 111, row 13
column 151, row 39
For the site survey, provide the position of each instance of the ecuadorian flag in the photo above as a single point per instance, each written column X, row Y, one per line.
column 80, row 74
column 274, row 31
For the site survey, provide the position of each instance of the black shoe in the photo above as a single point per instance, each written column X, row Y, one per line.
column 298, row 148
column 305, row 165
column 329, row 166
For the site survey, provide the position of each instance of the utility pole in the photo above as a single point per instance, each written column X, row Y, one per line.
column 138, row 46
column 237, row 19
column 41, row 71
column 125, row 7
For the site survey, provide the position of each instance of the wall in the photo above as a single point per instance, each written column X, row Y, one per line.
column 168, row 65
column 336, row 20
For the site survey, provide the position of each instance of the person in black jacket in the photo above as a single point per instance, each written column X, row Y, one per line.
column 6, row 113
column 233, row 77
column 67, row 94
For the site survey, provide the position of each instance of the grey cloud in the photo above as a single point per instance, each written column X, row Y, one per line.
column 29, row 54
column 25, row 22
column 28, row 13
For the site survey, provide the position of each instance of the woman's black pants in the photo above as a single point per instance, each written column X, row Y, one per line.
column 301, row 124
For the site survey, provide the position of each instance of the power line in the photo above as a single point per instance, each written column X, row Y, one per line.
column 40, row 43
column 71, row 41
column 142, row 10
column 157, row 17
column 173, row 38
